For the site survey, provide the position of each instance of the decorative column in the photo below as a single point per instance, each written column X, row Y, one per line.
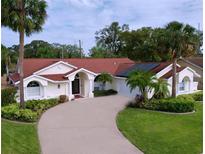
column 91, row 88
column 44, row 92
column 70, row 95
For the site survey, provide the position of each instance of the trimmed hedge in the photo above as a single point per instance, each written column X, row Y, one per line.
column 98, row 93
column 179, row 105
column 8, row 96
column 186, row 97
column 198, row 96
column 31, row 113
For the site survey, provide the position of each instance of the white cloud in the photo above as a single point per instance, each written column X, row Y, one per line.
column 71, row 20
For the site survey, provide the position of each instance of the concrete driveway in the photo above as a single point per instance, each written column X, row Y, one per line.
column 84, row 126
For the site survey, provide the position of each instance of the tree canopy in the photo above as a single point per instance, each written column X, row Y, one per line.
column 33, row 12
column 109, row 37
column 147, row 43
column 43, row 49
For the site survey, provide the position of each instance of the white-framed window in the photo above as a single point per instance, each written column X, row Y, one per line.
column 33, row 89
column 184, row 85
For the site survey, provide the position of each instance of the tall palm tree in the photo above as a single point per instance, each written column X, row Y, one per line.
column 181, row 37
column 143, row 80
column 104, row 77
column 24, row 17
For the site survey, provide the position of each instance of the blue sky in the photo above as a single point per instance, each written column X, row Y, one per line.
column 71, row 20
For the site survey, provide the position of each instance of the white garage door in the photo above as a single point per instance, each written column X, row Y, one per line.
column 124, row 90
column 33, row 89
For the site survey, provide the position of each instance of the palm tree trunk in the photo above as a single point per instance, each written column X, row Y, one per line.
column 174, row 66
column 7, row 69
column 21, row 54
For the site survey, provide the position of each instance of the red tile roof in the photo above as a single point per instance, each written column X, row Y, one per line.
column 196, row 60
column 55, row 77
column 169, row 74
column 15, row 77
column 96, row 65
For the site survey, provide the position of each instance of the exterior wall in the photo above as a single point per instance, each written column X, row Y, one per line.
column 57, row 69
column 197, row 69
column 119, row 84
column 180, row 76
column 52, row 90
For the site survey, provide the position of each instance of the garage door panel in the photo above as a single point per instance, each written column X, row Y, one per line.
column 33, row 91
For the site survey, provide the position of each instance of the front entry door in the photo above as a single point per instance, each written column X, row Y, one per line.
column 75, row 87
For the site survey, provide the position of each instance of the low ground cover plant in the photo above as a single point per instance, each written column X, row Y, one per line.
column 98, row 93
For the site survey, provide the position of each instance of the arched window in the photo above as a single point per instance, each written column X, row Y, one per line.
column 33, row 89
column 185, row 84
column 33, row 84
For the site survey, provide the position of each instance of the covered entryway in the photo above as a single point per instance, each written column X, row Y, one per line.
column 81, row 84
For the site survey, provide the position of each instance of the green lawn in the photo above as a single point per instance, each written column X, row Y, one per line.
column 160, row 133
column 19, row 138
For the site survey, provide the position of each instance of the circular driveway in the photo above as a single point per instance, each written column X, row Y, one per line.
column 84, row 126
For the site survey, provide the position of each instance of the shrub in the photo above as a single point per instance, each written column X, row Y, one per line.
column 180, row 104
column 63, row 99
column 35, row 105
column 13, row 112
column 41, row 105
column 32, row 111
column 104, row 92
column 175, row 105
column 198, row 96
column 186, row 97
column 8, row 96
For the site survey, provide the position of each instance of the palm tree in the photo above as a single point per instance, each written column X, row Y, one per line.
column 104, row 77
column 161, row 89
column 143, row 80
column 24, row 17
column 5, row 58
column 180, row 38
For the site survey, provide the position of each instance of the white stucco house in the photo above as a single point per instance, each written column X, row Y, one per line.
column 50, row 78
